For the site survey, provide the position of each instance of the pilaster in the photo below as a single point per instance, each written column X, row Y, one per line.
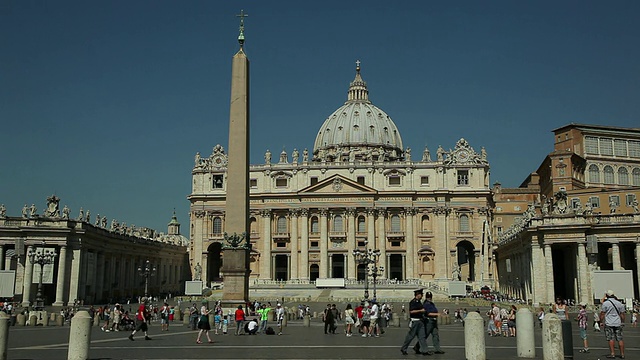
column 351, row 243
column 265, row 256
column 382, row 242
column 303, row 273
column 324, row 243
column 293, row 217
column 410, row 239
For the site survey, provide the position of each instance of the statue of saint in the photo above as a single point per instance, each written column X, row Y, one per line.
column 634, row 205
column 283, row 157
column 198, row 160
column 426, row 155
column 66, row 212
column 81, row 215
column 407, row 154
column 352, row 155
column 3, row 211
column 483, row 154
column 197, row 272
column 440, row 153
column 103, row 223
column 612, row 206
column 24, row 211
column 33, row 211
column 267, row 157
column 305, row 155
column 88, row 219
column 295, row 155
column 97, row 220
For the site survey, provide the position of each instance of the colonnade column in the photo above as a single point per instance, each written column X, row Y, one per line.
column 351, row 242
column 583, row 277
column 410, row 243
column 196, row 257
column 2, row 257
column 62, row 273
column 324, row 243
column 265, row 256
column 615, row 256
column 28, row 278
column 304, row 245
column 382, row 242
column 538, row 273
column 74, row 285
column 293, row 215
column 100, row 274
column 548, row 259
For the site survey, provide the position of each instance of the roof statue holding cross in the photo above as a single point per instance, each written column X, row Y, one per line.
column 242, row 15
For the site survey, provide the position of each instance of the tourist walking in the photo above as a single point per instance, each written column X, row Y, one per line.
column 164, row 317
column 582, row 325
column 366, row 319
column 203, row 324
column 327, row 318
column 264, row 317
column 511, row 320
column 349, row 320
column 240, row 318
column 431, row 316
column 612, row 313
column 416, row 325
column 280, row 317
column 142, row 317
column 116, row 314
column 560, row 309
column 193, row 316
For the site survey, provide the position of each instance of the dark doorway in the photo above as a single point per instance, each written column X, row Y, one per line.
column 337, row 266
column 466, row 261
column 361, row 272
column 564, row 271
column 214, row 262
column 314, row 272
column 282, row 267
column 395, row 267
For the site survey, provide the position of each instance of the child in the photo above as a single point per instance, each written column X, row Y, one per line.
column 225, row 325
column 582, row 325
column 218, row 323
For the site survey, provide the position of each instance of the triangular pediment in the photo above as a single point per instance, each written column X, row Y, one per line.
column 337, row 184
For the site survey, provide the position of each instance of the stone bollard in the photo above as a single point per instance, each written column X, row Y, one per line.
column 474, row 346
column 405, row 316
column 395, row 320
column 96, row 320
column 80, row 336
column 45, row 320
column 52, row 317
column 186, row 319
column 177, row 315
column 306, row 321
column 525, row 341
column 60, row 320
column 315, row 314
column 284, row 321
column 22, row 319
column 33, row 320
column 4, row 334
column 552, row 346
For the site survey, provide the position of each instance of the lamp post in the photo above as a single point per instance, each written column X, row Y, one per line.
column 367, row 257
column 375, row 271
column 42, row 258
column 147, row 270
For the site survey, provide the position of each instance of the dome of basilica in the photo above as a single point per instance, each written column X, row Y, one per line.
column 358, row 130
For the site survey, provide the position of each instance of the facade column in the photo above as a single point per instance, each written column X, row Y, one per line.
column 538, row 273
column 28, row 278
column 371, row 228
column 615, row 256
column 62, row 273
column 74, row 284
column 293, row 215
column 351, row 243
column 382, row 241
column 200, row 236
column 303, row 272
column 583, row 276
column 265, row 256
column 205, row 268
column 548, row 259
column 324, row 243
column 410, row 243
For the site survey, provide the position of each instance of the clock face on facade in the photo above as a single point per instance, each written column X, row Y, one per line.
column 219, row 161
column 463, row 155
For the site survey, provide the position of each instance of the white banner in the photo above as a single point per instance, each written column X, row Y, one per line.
column 7, row 283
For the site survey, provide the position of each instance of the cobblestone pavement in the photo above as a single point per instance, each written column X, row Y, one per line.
column 297, row 342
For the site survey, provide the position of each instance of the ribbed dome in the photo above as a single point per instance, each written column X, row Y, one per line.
column 358, row 130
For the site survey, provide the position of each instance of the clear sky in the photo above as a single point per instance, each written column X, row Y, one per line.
column 105, row 103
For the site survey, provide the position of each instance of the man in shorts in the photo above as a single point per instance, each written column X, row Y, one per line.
column 612, row 312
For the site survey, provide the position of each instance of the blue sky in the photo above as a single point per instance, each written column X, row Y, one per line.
column 105, row 103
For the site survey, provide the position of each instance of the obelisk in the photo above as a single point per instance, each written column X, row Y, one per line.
column 237, row 246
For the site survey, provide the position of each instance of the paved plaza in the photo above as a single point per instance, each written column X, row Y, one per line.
column 297, row 342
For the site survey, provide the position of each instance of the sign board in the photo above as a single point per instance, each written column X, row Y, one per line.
column 330, row 282
column 620, row 281
column 193, row 287
column 457, row 288
column 7, row 283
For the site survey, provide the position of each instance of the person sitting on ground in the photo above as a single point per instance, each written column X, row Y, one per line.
column 252, row 327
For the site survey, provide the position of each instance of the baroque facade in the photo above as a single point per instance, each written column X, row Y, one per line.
column 93, row 263
column 577, row 213
column 357, row 188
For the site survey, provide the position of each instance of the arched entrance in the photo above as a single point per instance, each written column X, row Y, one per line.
column 282, row 267
column 314, row 272
column 465, row 271
column 214, row 261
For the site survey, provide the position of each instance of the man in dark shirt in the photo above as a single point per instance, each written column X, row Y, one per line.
column 416, row 310
column 431, row 324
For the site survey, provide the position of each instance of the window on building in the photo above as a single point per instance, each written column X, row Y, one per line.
column 499, row 228
column 395, row 243
column 574, row 203
column 217, row 225
column 217, row 181
column 608, row 175
column 630, row 198
column 634, row 148
column 281, row 244
column 463, row 177
column 394, row 180
column 338, row 223
column 594, row 173
column 314, row 180
column 614, row 199
column 253, row 183
column 360, row 180
column 606, row 146
column 620, row 147
column 281, row 182
column 361, row 243
column 594, row 201
column 314, row 244
column 464, row 222
column 424, row 181
column 281, row 225
column 499, row 219
column 498, row 208
column 623, row 176
column 395, row 223
column 362, row 224
column 635, row 177
column 591, row 145
column 314, row 225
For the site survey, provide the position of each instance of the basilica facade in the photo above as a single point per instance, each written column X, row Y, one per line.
column 358, row 188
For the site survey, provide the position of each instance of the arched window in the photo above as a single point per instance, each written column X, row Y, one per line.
column 395, row 223
column 464, row 222
column 594, row 173
column 282, row 225
column 337, row 223
column 217, row 225
column 623, row 176
column 635, row 176
column 608, row 175
column 362, row 224
column 314, row 225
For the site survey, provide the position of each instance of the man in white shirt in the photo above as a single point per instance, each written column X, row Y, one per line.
column 279, row 317
column 612, row 313
column 253, row 327
column 375, row 314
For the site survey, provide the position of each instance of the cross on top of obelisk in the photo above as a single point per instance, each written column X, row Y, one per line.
column 242, row 15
